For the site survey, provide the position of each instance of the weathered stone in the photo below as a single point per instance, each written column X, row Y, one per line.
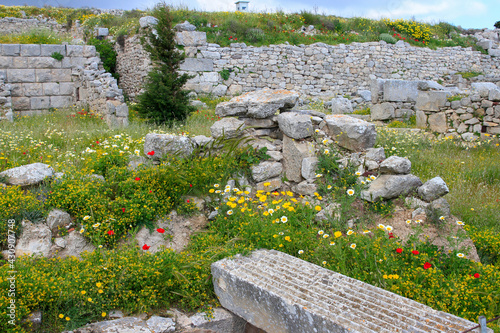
column 375, row 154
column 305, row 188
column 227, row 127
column 36, row 239
column 220, row 320
column 269, row 185
column 438, row 123
column 341, row 105
column 148, row 21
column 197, row 65
column 351, row 133
column 431, row 100
column 266, row 170
column 433, row 189
column 309, row 166
column 185, row 26
column 494, row 95
column 160, row 324
column 275, row 155
column 30, row 50
column 391, row 186
column 483, row 88
column 21, row 75
column 293, row 154
column 383, row 111
column 279, row 293
column 122, row 325
column 366, row 95
column 163, row 145
column 260, row 123
column 202, row 141
column 258, row 104
column 28, row 175
column 191, row 38
column 75, row 245
column 400, row 91
column 57, row 218
column 396, row 165
column 102, row 32
column 438, row 207
column 295, row 125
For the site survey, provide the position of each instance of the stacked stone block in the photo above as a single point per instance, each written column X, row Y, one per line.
column 14, row 25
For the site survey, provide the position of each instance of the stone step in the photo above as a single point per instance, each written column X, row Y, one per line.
column 279, row 293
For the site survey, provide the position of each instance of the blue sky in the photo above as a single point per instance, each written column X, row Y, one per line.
column 466, row 13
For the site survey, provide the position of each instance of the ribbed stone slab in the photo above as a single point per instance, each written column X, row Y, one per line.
column 280, row 293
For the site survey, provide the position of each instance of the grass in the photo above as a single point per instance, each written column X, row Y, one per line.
column 35, row 36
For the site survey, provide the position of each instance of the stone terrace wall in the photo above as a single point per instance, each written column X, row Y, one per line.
column 13, row 25
column 314, row 70
column 37, row 82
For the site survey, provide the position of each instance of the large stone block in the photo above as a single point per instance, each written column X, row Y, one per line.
column 400, row 91
column 293, row 154
column 35, row 240
column 61, row 101
column 28, row 175
column 5, row 62
column 53, row 75
column 438, row 123
column 227, row 127
column 163, row 145
column 51, row 88
column 30, row 50
column 48, row 49
column 197, row 65
column 431, row 100
column 433, row 189
column 43, row 62
column 341, row 105
column 395, row 165
column 351, row 133
column 383, row 111
column 266, row 170
column 279, row 293
column 494, row 95
column 74, row 50
column 21, row 103
column 20, row 75
column 42, row 102
column 483, row 88
column 191, row 38
column 421, row 119
column 89, row 51
column 295, row 125
column 33, row 89
column 391, row 186
column 11, row 50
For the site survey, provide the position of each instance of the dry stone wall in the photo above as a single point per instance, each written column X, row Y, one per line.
column 36, row 82
column 14, row 25
column 314, row 70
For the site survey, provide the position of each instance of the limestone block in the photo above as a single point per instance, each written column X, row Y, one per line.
column 21, row 62
column 43, row 62
column 11, row 50
column 89, row 51
column 383, row 111
column 30, row 50
column 51, row 89
column 48, row 49
column 185, row 26
column 148, row 21
column 74, row 50
column 494, row 95
column 219, row 90
column 122, row 110
column 391, row 186
column 42, row 102
column 295, row 125
column 270, row 184
column 211, row 55
column 431, row 100
column 21, row 103
column 438, row 123
column 375, row 154
column 266, row 170
column 35, row 240
column 61, row 101
column 33, row 89
column 400, row 91
column 167, row 144
column 6, row 62
column 421, row 119
column 351, row 133
column 57, row 218
column 341, row 105
column 197, row 65
column 293, row 154
column 482, row 88
column 28, row 175
column 191, row 38
column 21, row 75
column 433, row 189
column 227, row 127
column 309, row 166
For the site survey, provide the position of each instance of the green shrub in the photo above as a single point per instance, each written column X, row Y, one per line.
column 310, row 18
column 366, row 111
column 497, row 24
column 255, row 35
column 164, row 100
column 107, row 53
column 387, row 38
column 58, row 56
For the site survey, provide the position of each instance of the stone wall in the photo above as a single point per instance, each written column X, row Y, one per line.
column 38, row 82
column 314, row 70
column 13, row 25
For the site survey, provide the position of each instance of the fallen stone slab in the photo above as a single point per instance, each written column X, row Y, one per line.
column 28, row 175
column 157, row 146
column 258, row 104
column 391, row 186
column 351, row 133
column 279, row 293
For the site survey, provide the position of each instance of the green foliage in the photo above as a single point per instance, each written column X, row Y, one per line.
column 35, row 36
column 108, row 55
column 497, row 24
column 387, row 38
column 366, row 111
column 164, row 100
column 455, row 98
column 225, row 73
column 310, row 18
column 58, row 56
column 382, row 207
column 409, row 123
column 468, row 75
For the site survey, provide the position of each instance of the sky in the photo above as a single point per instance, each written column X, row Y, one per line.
column 466, row 13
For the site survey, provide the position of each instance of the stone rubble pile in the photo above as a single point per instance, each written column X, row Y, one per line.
column 489, row 40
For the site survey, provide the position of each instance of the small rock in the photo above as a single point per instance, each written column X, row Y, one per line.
column 396, row 165
column 433, row 189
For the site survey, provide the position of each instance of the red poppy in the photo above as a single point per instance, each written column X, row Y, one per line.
column 399, row 250
column 415, row 252
column 190, row 185
column 160, row 230
column 187, row 200
column 477, row 275
column 145, row 247
column 137, row 178
column 151, row 153
column 391, row 235
column 123, row 210
column 150, row 191
column 24, row 153
column 427, row 265
column 111, row 232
